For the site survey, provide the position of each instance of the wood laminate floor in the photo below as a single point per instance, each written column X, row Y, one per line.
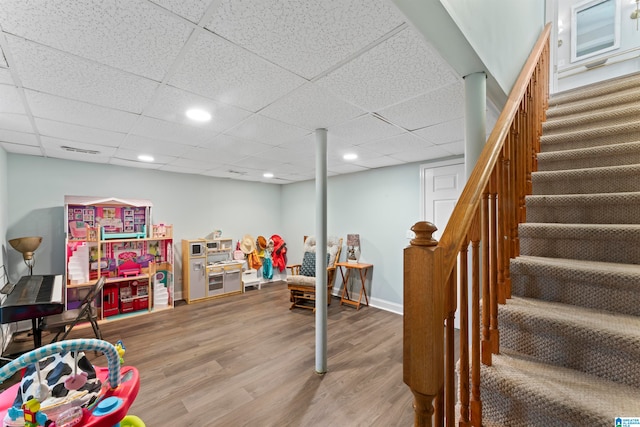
column 248, row 360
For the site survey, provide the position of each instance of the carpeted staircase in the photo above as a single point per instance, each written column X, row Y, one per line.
column 570, row 335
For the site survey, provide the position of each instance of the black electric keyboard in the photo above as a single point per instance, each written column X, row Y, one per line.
column 33, row 297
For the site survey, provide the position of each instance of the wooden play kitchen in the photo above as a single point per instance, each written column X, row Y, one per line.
column 207, row 270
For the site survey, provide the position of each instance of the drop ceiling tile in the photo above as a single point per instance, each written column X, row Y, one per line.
column 189, row 9
column 443, row 133
column 51, row 71
column 306, row 37
column 73, row 132
column 15, row 122
column 400, row 68
column 154, row 147
column 5, row 76
column 363, row 129
column 172, row 103
column 311, row 107
column 134, row 163
column 10, row 101
column 428, row 153
column 378, row 162
column 18, row 137
column 240, row 146
column 3, row 60
column 271, row 156
column 136, row 37
column 397, row 144
column 220, row 173
column 303, row 145
column 198, row 165
column 212, row 155
column 337, row 148
column 456, row 147
column 232, row 75
column 173, row 132
column 296, row 177
column 231, row 171
column 179, row 169
column 80, row 113
column 341, row 168
column 266, row 130
column 441, row 105
column 130, row 156
column 282, row 169
column 29, row 150
column 255, row 164
column 54, row 145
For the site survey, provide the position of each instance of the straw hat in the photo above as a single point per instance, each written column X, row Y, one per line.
column 247, row 245
column 262, row 243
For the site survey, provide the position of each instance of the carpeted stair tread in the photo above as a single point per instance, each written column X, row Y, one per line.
column 602, row 208
column 610, row 179
column 593, row 242
column 592, row 341
column 627, row 153
column 592, row 119
column 604, row 135
column 615, row 100
column 604, row 88
column 621, row 276
column 570, row 333
column 554, row 396
column 577, row 320
column 606, row 286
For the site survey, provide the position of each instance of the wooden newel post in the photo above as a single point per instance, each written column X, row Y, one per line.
column 423, row 355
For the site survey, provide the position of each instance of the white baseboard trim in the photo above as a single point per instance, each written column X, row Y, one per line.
column 386, row 305
column 382, row 304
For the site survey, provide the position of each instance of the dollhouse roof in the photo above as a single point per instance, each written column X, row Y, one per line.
column 111, row 201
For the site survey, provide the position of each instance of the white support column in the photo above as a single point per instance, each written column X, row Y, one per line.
column 475, row 137
column 475, row 118
column 321, row 251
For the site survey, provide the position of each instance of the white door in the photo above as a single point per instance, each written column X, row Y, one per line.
column 441, row 186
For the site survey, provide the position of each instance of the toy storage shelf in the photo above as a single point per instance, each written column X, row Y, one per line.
column 115, row 239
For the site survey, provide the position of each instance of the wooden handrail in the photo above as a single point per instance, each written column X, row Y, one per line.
column 485, row 216
column 465, row 209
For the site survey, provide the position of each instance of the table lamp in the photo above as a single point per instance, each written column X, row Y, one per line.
column 27, row 246
column 353, row 248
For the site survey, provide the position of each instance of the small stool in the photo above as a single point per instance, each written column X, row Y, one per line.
column 250, row 278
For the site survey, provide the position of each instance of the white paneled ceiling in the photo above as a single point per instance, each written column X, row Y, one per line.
column 107, row 80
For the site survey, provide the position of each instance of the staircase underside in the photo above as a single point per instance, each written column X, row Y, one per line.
column 570, row 334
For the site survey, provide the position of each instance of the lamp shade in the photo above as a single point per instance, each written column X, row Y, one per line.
column 353, row 240
column 26, row 245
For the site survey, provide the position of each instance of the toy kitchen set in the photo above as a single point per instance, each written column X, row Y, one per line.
column 208, row 271
column 115, row 239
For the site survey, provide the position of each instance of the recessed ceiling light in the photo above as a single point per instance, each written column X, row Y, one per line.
column 267, row 175
column 145, row 158
column 350, row 156
column 198, row 115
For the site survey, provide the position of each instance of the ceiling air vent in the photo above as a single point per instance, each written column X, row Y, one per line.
column 231, row 171
column 78, row 150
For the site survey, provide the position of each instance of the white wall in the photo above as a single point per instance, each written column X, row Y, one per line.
column 381, row 205
column 4, row 205
column 502, row 32
column 5, row 330
column 195, row 205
